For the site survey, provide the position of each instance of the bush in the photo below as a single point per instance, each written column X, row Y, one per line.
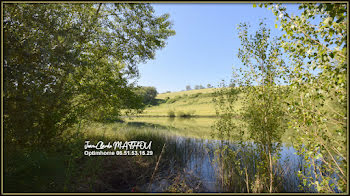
column 171, row 113
column 195, row 95
column 185, row 114
column 174, row 99
column 148, row 94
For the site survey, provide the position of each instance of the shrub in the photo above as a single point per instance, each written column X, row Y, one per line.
column 148, row 94
column 195, row 95
column 174, row 99
column 183, row 114
column 171, row 113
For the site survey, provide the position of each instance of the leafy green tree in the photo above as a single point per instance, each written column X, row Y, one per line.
column 148, row 94
column 262, row 112
column 66, row 62
column 316, row 42
column 188, row 88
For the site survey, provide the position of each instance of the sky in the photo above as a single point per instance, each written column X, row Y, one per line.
column 205, row 47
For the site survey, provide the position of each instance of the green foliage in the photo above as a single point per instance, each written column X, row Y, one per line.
column 174, row 99
column 171, row 113
column 64, row 168
column 315, row 41
column 66, row 62
column 197, row 87
column 263, row 110
column 185, row 114
column 314, row 101
column 148, row 94
column 181, row 114
column 34, row 172
column 195, row 95
column 228, row 168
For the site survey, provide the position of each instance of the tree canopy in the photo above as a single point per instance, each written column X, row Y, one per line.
column 297, row 82
column 316, row 44
column 64, row 62
column 148, row 94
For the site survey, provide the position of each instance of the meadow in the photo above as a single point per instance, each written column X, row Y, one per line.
column 198, row 103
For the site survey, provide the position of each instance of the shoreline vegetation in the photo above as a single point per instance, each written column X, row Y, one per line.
column 68, row 81
column 170, row 116
column 118, row 173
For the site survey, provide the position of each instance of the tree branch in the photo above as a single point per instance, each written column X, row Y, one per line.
column 307, row 35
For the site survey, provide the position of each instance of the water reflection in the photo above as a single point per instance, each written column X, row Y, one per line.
column 193, row 159
column 189, row 160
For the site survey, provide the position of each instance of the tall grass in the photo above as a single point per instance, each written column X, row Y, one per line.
column 63, row 167
column 239, row 169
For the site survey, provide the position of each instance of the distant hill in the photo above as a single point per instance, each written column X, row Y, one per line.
column 184, row 104
column 181, row 93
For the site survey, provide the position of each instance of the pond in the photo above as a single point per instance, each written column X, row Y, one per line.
column 190, row 151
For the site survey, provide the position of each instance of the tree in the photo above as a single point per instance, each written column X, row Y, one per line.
column 201, row 87
column 66, row 62
column 188, row 88
column 316, row 42
column 148, row 94
column 262, row 113
column 209, row 86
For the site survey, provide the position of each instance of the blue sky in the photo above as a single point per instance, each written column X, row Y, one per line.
column 205, row 46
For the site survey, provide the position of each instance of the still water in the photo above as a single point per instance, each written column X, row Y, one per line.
column 190, row 154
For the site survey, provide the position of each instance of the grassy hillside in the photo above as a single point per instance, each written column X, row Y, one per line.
column 193, row 103
column 181, row 93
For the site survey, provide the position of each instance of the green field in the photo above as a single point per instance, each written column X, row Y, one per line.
column 194, row 102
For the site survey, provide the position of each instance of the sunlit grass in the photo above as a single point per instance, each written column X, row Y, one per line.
column 181, row 93
column 197, row 102
column 189, row 127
